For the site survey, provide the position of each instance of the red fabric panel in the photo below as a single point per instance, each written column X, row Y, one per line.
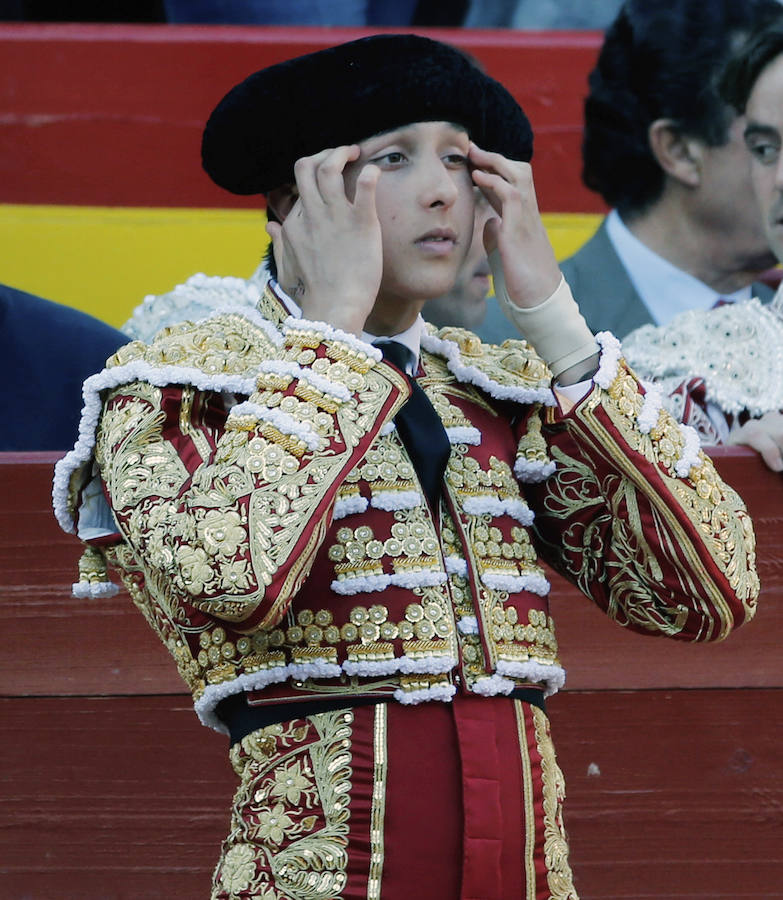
column 423, row 824
column 481, row 772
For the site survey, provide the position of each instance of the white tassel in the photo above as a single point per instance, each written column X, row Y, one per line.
column 360, row 584
column 609, row 366
column 462, row 434
column 349, row 506
column 493, row 505
column 442, row 692
column 651, row 408
column 391, row 500
column 456, row 565
column 406, row 665
column 492, row 685
column 94, row 590
column 551, row 676
column 535, row 584
column 689, row 458
column 533, row 471
column 468, row 625
column 425, row 578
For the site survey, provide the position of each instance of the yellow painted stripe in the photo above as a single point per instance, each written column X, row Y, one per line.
column 568, row 231
column 105, row 260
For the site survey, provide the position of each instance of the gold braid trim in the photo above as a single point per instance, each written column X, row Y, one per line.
column 713, row 508
column 558, row 870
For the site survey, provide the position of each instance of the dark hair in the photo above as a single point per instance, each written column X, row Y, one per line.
column 659, row 61
column 748, row 62
column 269, row 255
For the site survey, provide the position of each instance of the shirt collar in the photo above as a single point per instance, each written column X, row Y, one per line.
column 410, row 338
column 665, row 289
column 777, row 301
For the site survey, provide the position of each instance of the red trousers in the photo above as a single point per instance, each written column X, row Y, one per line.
column 444, row 801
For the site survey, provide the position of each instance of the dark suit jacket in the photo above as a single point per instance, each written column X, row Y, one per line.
column 46, row 352
column 496, row 328
column 604, row 292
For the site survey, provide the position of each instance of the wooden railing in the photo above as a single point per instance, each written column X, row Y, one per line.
column 113, row 789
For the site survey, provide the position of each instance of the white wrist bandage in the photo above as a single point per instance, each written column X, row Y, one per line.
column 555, row 328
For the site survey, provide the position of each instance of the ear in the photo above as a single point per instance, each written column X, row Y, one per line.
column 281, row 200
column 678, row 155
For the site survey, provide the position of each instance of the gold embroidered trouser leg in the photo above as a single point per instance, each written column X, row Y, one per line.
column 459, row 801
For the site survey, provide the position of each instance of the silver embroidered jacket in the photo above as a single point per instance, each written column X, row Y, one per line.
column 269, row 524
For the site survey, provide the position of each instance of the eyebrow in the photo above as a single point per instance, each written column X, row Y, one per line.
column 756, row 129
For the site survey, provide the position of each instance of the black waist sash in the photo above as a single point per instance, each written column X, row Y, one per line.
column 242, row 719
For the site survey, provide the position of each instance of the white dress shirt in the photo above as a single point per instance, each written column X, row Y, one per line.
column 411, row 338
column 664, row 289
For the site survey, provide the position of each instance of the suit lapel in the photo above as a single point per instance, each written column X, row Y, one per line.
column 602, row 288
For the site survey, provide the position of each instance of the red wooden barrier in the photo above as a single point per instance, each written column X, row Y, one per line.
column 111, row 115
column 113, row 790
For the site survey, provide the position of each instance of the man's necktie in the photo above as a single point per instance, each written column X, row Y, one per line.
column 420, row 428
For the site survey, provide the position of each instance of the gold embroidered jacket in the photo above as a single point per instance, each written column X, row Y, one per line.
column 270, row 526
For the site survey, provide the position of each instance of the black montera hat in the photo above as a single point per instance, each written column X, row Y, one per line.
column 347, row 93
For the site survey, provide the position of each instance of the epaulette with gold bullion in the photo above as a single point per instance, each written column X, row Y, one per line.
column 221, row 353
column 229, row 344
column 508, row 371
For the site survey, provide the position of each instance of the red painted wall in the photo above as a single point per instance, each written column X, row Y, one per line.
column 111, row 788
column 112, row 114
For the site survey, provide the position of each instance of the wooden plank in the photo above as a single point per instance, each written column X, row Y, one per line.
column 129, row 797
column 599, row 655
column 94, row 106
column 110, row 798
column 105, row 647
column 57, row 643
column 689, row 799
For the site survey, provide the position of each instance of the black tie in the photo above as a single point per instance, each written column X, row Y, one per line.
column 420, row 428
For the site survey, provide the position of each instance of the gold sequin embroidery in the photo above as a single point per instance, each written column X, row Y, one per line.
column 290, row 822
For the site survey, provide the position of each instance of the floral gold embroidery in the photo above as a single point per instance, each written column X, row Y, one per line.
column 289, row 829
column 238, row 868
column 713, row 508
column 559, row 877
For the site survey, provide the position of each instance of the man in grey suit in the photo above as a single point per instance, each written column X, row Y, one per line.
column 665, row 151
